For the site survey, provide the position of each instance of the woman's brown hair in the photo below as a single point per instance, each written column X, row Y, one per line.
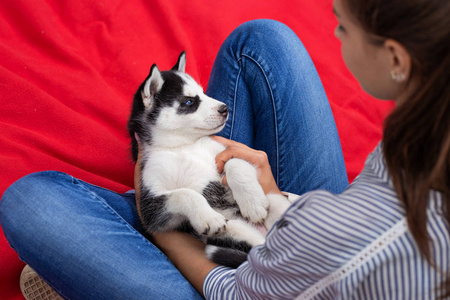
column 416, row 137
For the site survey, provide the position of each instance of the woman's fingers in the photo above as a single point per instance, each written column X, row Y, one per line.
column 228, row 143
column 237, row 150
column 257, row 158
column 224, row 181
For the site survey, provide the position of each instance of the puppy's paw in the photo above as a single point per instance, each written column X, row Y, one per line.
column 254, row 207
column 210, row 223
column 243, row 181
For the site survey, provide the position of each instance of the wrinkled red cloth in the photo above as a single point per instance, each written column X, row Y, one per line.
column 68, row 71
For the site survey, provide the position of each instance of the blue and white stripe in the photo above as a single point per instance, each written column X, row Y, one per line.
column 355, row 245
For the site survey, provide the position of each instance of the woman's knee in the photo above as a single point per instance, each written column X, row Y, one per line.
column 264, row 34
column 265, row 29
column 20, row 201
column 33, row 187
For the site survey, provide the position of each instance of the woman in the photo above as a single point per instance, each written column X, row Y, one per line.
column 387, row 235
column 85, row 241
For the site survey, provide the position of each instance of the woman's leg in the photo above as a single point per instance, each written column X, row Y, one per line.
column 85, row 241
column 277, row 104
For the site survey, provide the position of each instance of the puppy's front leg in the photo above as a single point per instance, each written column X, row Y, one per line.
column 196, row 209
column 242, row 179
column 278, row 206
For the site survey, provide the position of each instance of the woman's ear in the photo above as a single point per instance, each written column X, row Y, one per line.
column 399, row 59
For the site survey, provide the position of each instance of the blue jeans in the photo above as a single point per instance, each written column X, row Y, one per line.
column 87, row 242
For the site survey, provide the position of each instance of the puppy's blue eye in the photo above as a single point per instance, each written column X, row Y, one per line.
column 189, row 102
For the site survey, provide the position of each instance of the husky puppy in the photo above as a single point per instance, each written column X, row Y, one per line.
column 180, row 186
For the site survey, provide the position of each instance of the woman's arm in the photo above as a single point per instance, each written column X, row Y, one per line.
column 187, row 254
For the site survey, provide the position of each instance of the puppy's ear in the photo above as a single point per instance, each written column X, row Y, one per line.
column 153, row 85
column 181, row 63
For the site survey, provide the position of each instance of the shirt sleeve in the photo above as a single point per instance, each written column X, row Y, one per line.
column 309, row 242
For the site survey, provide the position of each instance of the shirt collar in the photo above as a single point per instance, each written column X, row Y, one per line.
column 377, row 163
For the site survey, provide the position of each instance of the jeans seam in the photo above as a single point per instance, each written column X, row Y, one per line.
column 273, row 107
column 234, row 100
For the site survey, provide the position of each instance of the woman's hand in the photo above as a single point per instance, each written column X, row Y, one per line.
column 256, row 158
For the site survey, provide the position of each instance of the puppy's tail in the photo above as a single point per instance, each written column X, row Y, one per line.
column 228, row 257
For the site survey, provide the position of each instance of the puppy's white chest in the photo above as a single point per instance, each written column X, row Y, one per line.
column 197, row 162
column 191, row 167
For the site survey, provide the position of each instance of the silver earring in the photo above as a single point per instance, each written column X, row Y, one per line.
column 398, row 77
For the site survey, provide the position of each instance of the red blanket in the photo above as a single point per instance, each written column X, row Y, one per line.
column 69, row 69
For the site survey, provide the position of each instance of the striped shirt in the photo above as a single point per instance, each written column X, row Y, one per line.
column 355, row 245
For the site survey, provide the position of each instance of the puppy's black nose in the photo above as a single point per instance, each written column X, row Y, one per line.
column 223, row 110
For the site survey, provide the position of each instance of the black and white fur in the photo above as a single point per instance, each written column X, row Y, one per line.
column 180, row 187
